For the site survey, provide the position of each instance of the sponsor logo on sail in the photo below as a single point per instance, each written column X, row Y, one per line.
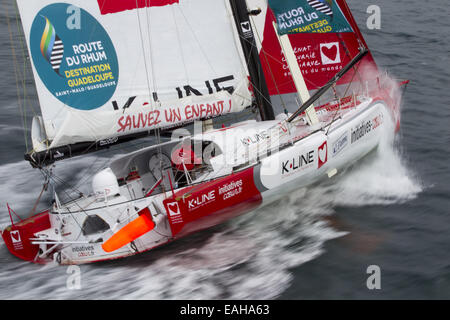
column 246, row 29
column 78, row 65
column 311, row 16
column 329, row 52
column 340, row 144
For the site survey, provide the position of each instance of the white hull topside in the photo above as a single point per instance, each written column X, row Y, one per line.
column 222, row 189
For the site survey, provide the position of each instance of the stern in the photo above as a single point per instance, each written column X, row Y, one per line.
column 17, row 236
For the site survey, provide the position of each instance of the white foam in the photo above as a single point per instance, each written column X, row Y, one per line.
column 382, row 178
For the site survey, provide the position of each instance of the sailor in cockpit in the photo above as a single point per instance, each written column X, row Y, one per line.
column 188, row 162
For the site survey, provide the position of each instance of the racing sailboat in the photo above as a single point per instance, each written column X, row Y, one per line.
column 109, row 72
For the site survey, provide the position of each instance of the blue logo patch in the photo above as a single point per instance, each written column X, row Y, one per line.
column 74, row 56
column 340, row 144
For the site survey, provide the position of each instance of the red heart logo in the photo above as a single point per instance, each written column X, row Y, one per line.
column 330, row 53
column 323, row 154
column 173, row 207
column 15, row 236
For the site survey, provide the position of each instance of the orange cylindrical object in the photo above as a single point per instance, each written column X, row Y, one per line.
column 130, row 232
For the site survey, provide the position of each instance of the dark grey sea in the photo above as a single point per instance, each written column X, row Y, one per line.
column 391, row 211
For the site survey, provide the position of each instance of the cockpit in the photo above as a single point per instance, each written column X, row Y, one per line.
column 164, row 167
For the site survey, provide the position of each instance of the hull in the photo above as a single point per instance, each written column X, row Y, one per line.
column 177, row 212
column 16, row 236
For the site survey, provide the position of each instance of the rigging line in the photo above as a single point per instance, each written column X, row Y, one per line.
column 196, row 39
column 132, row 145
column 270, row 68
column 44, row 187
column 329, row 84
column 267, row 100
column 247, row 61
column 61, row 181
column 243, row 97
column 360, row 41
column 281, row 63
column 180, row 45
column 52, row 176
column 101, row 152
column 347, row 53
column 250, row 79
column 238, row 44
column 22, row 77
column 340, row 99
column 76, row 221
column 70, row 212
column 153, row 104
column 148, row 12
column 16, row 73
column 88, row 173
column 143, row 50
column 26, row 65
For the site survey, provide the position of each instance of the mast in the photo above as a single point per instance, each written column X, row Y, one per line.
column 244, row 28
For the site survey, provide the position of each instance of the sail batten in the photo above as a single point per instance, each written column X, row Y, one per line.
column 105, row 69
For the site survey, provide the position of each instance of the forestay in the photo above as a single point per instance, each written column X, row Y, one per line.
column 104, row 69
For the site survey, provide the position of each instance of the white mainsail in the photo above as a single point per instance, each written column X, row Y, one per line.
column 101, row 75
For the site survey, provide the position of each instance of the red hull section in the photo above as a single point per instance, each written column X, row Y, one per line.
column 209, row 204
column 113, row 6
column 17, row 236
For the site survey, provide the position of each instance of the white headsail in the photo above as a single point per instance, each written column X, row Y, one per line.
column 105, row 69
